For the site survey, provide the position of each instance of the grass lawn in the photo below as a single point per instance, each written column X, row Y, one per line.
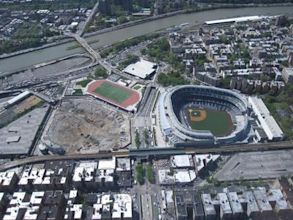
column 84, row 83
column 218, row 122
column 137, row 87
column 114, row 93
column 77, row 92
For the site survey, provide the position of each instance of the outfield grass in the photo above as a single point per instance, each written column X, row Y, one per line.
column 114, row 93
column 218, row 122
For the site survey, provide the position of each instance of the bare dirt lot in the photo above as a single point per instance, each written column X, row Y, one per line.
column 85, row 125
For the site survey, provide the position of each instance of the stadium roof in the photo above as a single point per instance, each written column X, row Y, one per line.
column 141, row 69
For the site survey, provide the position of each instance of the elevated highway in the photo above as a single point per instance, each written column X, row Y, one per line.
column 154, row 152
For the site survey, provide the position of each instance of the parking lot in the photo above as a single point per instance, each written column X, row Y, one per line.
column 257, row 165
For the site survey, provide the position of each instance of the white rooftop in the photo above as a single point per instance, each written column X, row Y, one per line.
column 262, row 200
column 235, row 202
column 141, row 69
column 182, row 161
column 268, row 123
column 208, row 204
column 122, row 204
column 165, row 177
column 184, row 176
column 6, row 177
column 84, row 171
column 18, row 97
column 239, row 19
column 107, row 164
column 277, row 196
column 199, row 159
column 224, row 203
column 123, row 164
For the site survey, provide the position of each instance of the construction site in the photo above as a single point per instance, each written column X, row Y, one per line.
column 85, row 125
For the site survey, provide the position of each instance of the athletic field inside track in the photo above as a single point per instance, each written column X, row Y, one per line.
column 217, row 122
column 113, row 93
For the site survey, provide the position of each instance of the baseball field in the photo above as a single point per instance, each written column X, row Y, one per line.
column 218, row 122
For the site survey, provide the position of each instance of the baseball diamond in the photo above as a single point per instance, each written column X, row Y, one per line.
column 203, row 115
column 218, row 122
column 197, row 114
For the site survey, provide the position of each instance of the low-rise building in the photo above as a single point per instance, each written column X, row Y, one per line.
column 142, row 69
column 265, row 119
column 287, row 74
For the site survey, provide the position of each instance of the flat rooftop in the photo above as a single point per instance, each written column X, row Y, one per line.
column 141, row 69
column 17, row 137
column 182, row 161
column 239, row 19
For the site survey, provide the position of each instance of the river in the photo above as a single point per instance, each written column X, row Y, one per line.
column 25, row 60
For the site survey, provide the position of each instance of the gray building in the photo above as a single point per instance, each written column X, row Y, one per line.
column 287, row 74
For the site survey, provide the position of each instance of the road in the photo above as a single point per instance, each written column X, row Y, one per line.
column 89, row 19
column 97, row 57
column 154, row 152
column 85, row 45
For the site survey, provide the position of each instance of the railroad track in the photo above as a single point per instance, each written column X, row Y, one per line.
column 153, row 152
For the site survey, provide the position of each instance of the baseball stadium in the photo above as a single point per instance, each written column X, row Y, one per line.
column 203, row 115
column 114, row 94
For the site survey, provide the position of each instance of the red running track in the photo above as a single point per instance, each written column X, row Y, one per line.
column 132, row 100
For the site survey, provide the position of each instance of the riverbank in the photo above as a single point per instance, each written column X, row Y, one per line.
column 101, row 40
column 17, row 71
column 63, row 40
column 208, row 7
column 185, row 11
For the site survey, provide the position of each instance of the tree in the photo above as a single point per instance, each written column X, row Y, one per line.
column 146, row 136
column 101, row 72
column 171, row 79
column 137, row 139
column 130, row 59
column 200, row 60
column 150, row 173
column 139, row 173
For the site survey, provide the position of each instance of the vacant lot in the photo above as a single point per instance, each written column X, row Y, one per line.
column 84, row 125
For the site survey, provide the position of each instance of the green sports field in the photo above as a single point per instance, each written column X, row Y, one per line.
column 114, row 93
column 218, row 122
